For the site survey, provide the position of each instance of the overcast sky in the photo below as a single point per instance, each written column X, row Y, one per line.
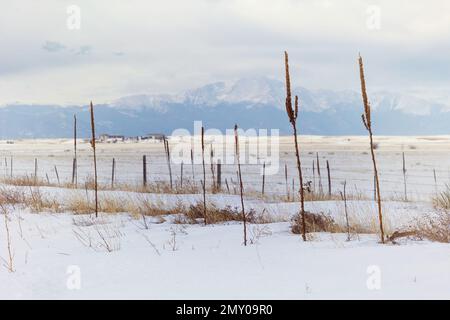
column 146, row 46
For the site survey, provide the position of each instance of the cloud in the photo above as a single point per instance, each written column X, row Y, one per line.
column 169, row 46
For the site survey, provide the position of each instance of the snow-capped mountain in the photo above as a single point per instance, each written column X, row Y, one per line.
column 250, row 102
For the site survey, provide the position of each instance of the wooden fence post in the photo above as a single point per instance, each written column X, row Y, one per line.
column 219, row 175
column 263, row 178
column 329, row 179
column 144, row 170
column 57, row 175
column 181, row 183
column 167, row 149
column 113, row 172
column 35, row 170
column 286, row 180
column 74, row 164
column 318, row 174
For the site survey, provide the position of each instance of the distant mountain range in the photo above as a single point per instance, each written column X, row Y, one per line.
column 250, row 102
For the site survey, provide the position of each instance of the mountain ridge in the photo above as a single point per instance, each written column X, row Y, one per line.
column 251, row 102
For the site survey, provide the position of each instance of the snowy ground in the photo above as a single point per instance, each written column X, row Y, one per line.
column 66, row 256
column 196, row 262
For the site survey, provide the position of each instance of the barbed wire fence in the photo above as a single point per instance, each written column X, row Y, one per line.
column 146, row 168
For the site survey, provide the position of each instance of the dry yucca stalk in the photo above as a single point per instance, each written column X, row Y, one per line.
column 74, row 168
column 241, row 186
column 204, row 175
column 367, row 121
column 404, row 175
column 292, row 114
column 95, row 159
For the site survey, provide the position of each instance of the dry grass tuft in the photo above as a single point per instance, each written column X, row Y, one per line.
column 37, row 202
column 435, row 227
column 194, row 214
column 442, row 199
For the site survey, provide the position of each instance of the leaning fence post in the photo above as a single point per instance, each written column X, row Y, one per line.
column 57, row 175
column 11, row 166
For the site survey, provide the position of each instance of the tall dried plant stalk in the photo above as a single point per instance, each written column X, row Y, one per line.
column 167, row 149
column 292, row 115
column 95, row 159
column 241, row 186
column 204, row 176
column 404, row 175
column 344, row 198
column 75, row 166
column 367, row 121
column 9, row 263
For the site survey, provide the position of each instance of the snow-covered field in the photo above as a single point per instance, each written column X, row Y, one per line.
column 67, row 256
column 196, row 262
column 427, row 162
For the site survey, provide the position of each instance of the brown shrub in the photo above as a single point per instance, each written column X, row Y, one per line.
column 194, row 214
column 315, row 222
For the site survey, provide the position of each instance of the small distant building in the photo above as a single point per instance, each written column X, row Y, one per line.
column 132, row 139
column 111, row 138
column 154, row 137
